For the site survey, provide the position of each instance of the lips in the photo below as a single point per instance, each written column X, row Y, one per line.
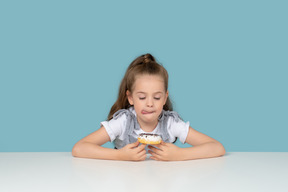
column 146, row 112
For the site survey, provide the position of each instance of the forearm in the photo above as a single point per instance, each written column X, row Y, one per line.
column 206, row 150
column 93, row 151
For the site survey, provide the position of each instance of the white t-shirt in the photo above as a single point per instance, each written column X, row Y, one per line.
column 116, row 129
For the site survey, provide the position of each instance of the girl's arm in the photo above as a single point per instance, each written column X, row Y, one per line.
column 90, row 147
column 203, row 147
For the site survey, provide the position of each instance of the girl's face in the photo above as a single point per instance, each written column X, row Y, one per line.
column 148, row 97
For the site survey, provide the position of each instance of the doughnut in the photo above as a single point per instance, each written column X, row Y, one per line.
column 148, row 138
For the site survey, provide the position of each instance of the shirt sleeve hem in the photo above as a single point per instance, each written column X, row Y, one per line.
column 109, row 131
column 184, row 137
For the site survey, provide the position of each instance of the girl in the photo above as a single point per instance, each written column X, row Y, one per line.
column 143, row 106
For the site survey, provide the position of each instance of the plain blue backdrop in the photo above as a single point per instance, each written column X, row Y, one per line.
column 61, row 63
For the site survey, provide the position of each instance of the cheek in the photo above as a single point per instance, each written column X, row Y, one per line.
column 164, row 101
column 137, row 103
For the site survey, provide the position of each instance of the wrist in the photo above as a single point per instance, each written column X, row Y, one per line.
column 121, row 155
column 118, row 154
column 181, row 154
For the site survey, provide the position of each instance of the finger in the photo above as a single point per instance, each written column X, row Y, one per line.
column 154, row 156
column 162, row 143
column 154, row 153
column 132, row 145
column 155, row 149
column 143, row 157
column 141, row 148
column 141, row 153
column 151, row 152
column 160, row 146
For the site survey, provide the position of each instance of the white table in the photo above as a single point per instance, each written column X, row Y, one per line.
column 53, row 172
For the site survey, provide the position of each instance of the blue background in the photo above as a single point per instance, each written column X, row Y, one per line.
column 62, row 62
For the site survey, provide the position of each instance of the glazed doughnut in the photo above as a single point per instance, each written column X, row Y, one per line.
column 148, row 138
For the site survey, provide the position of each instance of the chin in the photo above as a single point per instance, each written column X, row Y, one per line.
column 151, row 118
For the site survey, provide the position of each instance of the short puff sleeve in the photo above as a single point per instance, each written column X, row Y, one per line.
column 178, row 128
column 115, row 127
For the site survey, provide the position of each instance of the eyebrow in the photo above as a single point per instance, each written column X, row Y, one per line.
column 153, row 93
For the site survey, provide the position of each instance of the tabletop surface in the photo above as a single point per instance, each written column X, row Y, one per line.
column 59, row 171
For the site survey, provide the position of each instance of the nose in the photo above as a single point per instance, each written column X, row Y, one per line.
column 149, row 102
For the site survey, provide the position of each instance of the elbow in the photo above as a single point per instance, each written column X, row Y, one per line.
column 217, row 149
column 76, row 150
column 220, row 149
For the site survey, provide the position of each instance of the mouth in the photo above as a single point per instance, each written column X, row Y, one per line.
column 147, row 112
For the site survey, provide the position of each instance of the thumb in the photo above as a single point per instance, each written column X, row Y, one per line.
column 134, row 144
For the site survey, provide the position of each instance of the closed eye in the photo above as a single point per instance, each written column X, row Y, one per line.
column 142, row 98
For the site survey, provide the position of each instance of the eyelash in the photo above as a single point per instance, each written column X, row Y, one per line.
column 142, row 98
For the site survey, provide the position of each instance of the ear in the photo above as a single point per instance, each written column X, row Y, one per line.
column 166, row 96
column 129, row 97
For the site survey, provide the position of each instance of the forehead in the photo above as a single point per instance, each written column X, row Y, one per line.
column 149, row 83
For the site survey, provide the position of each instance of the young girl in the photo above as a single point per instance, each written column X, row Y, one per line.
column 143, row 106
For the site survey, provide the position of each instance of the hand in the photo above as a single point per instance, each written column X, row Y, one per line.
column 165, row 152
column 133, row 152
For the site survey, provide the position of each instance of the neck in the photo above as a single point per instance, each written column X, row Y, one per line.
column 147, row 127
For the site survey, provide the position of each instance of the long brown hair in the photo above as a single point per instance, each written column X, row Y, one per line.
column 144, row 64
